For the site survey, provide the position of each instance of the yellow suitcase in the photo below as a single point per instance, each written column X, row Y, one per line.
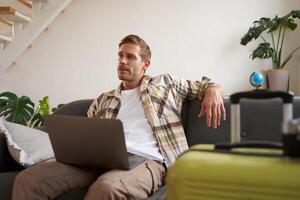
column 248, row 170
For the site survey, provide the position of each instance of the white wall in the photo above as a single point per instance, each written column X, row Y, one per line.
column 77, row 57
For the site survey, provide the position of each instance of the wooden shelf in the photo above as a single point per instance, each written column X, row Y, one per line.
column 4, row 38
column 8, row 23
column 26, row 3
column 11, row 14
column 6, row 30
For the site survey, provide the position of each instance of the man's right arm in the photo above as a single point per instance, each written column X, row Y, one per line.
column 94, row 107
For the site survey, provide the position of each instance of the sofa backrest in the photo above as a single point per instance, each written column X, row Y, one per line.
column 78, row 108
column 260, row 120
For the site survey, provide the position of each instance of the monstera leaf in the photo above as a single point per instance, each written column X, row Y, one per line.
column 16, row 109
column 259, row 26
column 264, row 50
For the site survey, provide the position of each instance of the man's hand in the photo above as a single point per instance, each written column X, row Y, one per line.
column 213, row 106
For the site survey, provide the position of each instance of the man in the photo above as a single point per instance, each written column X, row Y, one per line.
column 150, row 109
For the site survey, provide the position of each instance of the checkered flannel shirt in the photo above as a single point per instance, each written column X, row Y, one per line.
column 162, row 98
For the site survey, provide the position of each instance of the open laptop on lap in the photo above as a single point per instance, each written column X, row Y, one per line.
column 89, row 142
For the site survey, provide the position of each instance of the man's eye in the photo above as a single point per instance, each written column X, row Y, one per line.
column 131, row 57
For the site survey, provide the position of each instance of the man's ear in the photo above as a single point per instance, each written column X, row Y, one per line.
column 147, row 64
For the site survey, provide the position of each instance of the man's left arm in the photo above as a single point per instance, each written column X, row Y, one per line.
column 213, row 105
column 206, row 90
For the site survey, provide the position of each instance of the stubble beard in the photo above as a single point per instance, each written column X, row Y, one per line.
column 124, row 77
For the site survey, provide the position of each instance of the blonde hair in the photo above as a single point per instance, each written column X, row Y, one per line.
column 134, row 39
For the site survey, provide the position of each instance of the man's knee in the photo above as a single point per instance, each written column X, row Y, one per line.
column 50, row 179
column 108, row 190
column 25, row 184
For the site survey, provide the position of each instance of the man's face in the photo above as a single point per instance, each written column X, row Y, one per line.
column 131, row 67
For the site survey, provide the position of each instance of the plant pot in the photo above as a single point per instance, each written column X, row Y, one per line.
column 278, row 79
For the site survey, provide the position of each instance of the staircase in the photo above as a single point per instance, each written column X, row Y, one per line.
column 18, row 29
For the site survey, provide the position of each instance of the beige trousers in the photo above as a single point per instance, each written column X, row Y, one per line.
column 50, row 179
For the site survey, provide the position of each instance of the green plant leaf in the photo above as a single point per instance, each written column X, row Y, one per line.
column 44, row 107
column 274, row 24
column 255, row 31
column 264, row 50
column 15, row 109
column 291, row 24
column 295, row 14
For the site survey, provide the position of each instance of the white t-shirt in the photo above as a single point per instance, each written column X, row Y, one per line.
column 139, row 137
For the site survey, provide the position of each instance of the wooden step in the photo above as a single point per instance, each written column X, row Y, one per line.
column 8, row 23
column 27, row 3
column 6, row 30
column 12, row 14
column 4, row 38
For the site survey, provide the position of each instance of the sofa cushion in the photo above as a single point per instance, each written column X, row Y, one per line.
column 26, row 145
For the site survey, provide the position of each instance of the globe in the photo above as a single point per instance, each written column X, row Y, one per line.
column 257, row 79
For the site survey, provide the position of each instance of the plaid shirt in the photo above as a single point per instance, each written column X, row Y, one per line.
column 162, row 98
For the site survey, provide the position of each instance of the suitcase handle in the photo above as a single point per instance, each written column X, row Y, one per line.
column 249, row 144
column 261, row 94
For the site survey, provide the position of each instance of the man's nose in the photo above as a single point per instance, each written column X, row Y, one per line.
column 122, row 60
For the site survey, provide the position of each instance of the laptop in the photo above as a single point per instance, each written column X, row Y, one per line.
column 91, row 142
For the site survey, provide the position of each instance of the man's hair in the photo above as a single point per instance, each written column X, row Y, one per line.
column 145, row 52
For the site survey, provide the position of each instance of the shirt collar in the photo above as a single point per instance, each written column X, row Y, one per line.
column 117, row 92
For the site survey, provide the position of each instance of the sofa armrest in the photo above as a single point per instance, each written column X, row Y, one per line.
column 7, row 163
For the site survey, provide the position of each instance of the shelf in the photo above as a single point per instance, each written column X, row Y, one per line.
column 27, row 3
column 7, row 23
column 4, row 38
column 6, row 30
column 11, row 14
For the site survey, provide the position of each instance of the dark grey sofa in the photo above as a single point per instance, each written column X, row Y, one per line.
column 261, row 120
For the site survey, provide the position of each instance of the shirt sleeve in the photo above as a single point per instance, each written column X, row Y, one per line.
column 94, row 107
column 190, row 90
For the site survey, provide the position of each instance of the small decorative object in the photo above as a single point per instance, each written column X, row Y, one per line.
column 257, row 79
column 272, row 33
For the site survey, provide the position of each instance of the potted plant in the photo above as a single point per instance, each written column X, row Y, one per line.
column 21, row 110
column 272, row 33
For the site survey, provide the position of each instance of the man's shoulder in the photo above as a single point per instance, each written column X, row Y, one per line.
column 105, row 95
column 161, row 79
column 109, row 93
